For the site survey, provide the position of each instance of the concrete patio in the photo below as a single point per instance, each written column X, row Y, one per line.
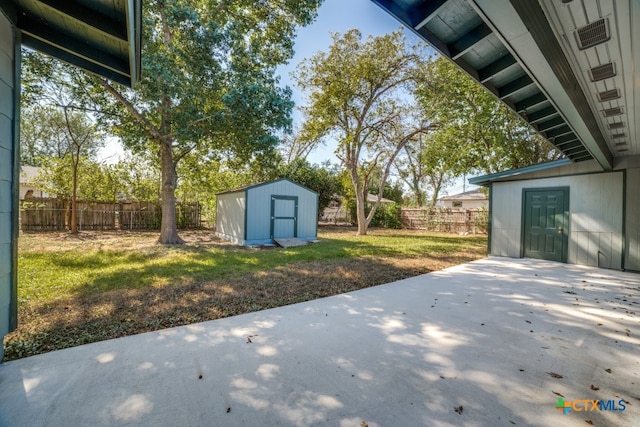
column 489, row 343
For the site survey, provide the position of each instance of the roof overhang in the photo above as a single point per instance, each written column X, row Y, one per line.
column 528, row 54
column 484, row 180
column 100, row 36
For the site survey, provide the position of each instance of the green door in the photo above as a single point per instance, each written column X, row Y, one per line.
column 546, row 217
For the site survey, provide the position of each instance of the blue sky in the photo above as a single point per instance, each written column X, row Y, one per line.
column 335, row 16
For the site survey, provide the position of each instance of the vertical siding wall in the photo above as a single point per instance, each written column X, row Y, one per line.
column 632, row 228
column 595, row 219
column 259, row 210
column 7, row 199
column 230, row 210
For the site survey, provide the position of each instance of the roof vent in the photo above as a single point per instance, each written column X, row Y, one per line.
column 616, row 125
column 593, row 34
column 619, row 135
column 602, row 72
column 616, row 111
column 608, row 95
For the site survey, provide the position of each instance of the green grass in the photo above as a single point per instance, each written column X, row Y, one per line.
column 46, row 275
column 76, row 290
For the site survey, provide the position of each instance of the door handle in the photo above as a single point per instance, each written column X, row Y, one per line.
column 560, row 230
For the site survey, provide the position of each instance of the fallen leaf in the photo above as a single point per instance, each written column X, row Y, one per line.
column 594, row 387
column 554, row 375
column 556, row 393
column 228, row 409
column 608, row 370
column 363, row 424
column 249, row 340
column 458, row 409
column 528, row 321
column 589, row 422
column 512, row 422
column 442, row 377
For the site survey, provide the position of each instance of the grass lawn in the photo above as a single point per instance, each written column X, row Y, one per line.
column 75, row 290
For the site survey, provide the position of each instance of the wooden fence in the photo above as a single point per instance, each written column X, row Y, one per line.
column 50, row 214
column 446, row 220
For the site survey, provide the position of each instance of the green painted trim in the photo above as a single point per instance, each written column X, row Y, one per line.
column 566, row 214
column 485, row 179
column 15, row 184
column 317, row 215
column 561, row 176
column 490, row 219
column 624, row 218
column 273, row 217
column 246, row 213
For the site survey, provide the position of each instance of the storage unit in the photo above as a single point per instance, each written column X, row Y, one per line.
column 568, row 212
column 259, row 213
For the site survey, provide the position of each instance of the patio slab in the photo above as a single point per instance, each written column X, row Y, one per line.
column 488, row 343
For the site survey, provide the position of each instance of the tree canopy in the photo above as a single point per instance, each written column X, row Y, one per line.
column 208, row 85
column 357, row 96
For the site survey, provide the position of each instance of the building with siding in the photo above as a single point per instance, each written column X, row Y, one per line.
column 473, row 199
column 259, row 213
column 570, row 69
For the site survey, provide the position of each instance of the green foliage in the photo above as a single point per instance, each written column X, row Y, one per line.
column 357, row 96
column 322, row 180
column 477, row 132
column 387, row 215
column 208, row 85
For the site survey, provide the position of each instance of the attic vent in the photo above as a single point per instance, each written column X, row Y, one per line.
column 616, row 125
column 616, row 111
column 608, row 95
column 619, row 135
column 592, row 34
column 620, row 144
column 602, row 72
column 622, row 150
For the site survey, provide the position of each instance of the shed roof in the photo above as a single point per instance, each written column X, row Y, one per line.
column 484, row 180
column 100, row 36
column 259, row 184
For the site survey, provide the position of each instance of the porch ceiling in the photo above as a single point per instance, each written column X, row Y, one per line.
column 101, row 36
column 541, row 59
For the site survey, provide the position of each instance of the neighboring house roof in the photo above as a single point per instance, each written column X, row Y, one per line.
column 467, row 195
column 28, row 174
column 103, row 37
column 259, row 184
column 372, row 198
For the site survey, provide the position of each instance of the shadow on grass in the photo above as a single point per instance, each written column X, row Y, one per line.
column 211, row 286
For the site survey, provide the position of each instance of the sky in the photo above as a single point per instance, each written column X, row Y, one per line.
column 333, row 16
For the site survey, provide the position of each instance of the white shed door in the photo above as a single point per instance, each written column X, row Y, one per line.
column 284, row 217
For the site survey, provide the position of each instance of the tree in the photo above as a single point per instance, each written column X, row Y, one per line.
column 487, row 136
column 208, row 85
column 73, row 138
column 318, row 178
column 357, row 95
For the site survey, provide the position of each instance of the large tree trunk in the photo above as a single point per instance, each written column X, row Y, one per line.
column 359, row 189
column 169, row 227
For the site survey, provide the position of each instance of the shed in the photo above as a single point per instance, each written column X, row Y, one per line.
column 259, row 213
